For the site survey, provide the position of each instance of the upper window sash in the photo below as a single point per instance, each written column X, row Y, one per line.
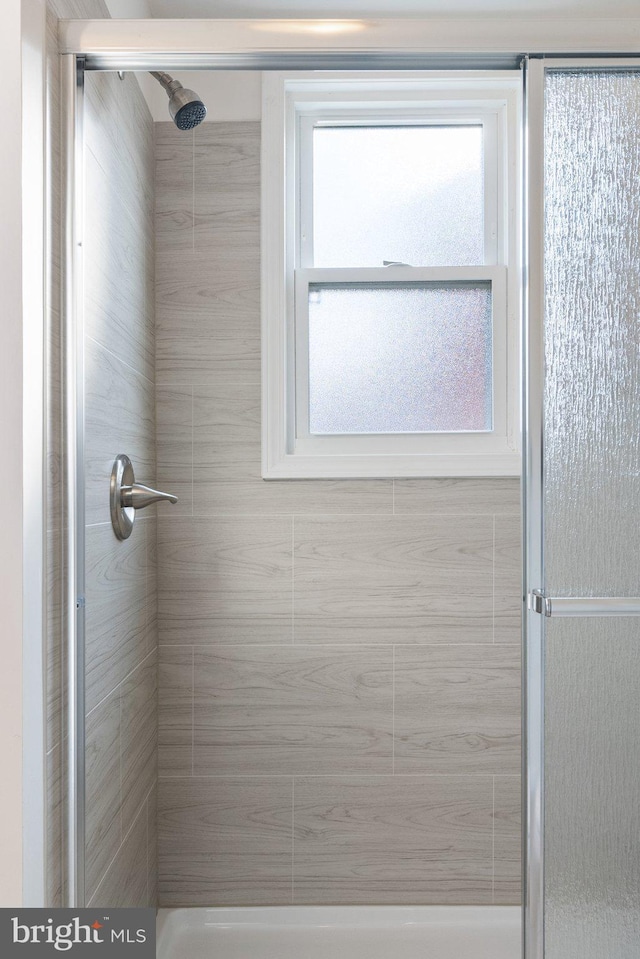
column 488, row 116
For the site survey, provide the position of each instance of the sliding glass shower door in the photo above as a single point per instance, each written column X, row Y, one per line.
column 583, row 474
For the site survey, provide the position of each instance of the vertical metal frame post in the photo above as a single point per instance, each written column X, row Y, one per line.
column 72, row 76
column 532, row 511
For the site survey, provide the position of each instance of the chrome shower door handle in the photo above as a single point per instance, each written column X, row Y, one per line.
column 575, row 606
column 127, row 496
column 139, row 496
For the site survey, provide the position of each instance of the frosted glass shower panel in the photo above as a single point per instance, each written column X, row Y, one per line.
column 413, row 194
column 592, row 287
column 592, row 765
column 400, row 358
column 591, row 500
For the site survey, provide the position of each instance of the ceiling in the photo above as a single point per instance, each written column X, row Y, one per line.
column 238, row 9
column 237, row 97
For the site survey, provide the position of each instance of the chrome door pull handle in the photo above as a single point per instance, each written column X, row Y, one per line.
column 127, row 496
column 583, row 605
column 139, row 496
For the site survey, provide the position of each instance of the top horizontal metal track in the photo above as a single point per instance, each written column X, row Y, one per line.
column 296, row 61
column 363, row 44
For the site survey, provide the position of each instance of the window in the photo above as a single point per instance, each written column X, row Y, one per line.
column 390, row 290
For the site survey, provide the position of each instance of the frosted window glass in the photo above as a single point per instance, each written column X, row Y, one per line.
column 592, row 494
column 400, row 358
column 410, row 194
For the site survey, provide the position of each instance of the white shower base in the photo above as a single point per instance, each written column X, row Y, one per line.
column 340, row 932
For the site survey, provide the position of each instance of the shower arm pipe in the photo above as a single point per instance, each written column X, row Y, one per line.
column 166, row 80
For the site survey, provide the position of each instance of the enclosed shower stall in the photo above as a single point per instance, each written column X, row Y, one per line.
column 288, row 711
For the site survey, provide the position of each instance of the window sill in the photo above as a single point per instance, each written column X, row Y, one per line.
column 291, row 466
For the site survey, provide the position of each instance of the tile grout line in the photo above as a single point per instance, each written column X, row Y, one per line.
column 293, row 838
column 320, row 514
column 340, row 775
column 152, row 635
column 123, row 841
column 493, row 581
column 493, row 839
column 120, row 360
column 147, row 620
column 393, row 710
column 352, row 646
column 193, row 709
column 116, row 688
column 293, row 580
column 193, row 447
column 193, row 191
column 121, row 816
column 146, row 816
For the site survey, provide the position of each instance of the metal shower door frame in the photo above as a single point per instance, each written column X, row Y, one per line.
column 537, row 606
column 72, row 78
column 114, row 45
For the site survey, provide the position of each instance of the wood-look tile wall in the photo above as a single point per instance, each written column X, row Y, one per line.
column 339, row 660
column 121, row 626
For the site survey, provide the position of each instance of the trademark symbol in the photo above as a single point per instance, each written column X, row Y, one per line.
column 106, row 918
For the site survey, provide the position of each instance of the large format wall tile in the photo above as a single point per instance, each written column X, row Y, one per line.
column 152, row 847
column 459, row 496
column 151, row 536
column 399, row 579
column 208, row 321
column 174, row 190
column 400, row 840
column 292, row 710
column 225, row 841
column 116, row 608
column 508, row 579
column 125, row 884
column 193, row 301
column 208, row 265
column 457, row 709
column 139, row 735
column 508, row 839
column 227, row 464
column 174, row 444
column 103, row 793
column 119, row 419
column 54, row 829
column 225, row 580
column 227, row 187
column 119, row 254
column 56, row 577
column 175, row 713
column 285, row 604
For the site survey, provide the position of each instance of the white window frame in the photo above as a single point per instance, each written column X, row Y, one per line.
column 292, row 105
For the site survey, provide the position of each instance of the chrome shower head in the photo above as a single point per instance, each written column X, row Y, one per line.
column 186, row 108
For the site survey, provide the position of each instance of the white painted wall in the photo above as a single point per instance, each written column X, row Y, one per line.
column 228, row 94
column 11, row 444
column 34, row 20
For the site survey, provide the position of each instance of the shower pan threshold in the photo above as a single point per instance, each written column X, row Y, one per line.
column 340, row 932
